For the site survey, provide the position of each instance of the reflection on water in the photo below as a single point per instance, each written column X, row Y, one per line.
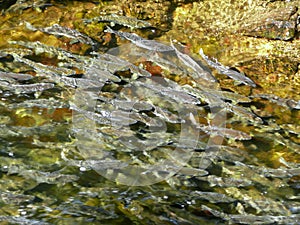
column 76, row 127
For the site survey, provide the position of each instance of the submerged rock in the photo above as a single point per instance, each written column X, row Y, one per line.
column 278, row 24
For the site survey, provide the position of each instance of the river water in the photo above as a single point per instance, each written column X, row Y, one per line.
column 108, row 121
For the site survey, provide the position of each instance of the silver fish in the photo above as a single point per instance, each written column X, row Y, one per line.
column 80, row 82
column 58, row 30
column 141, row 42
column 6, row 81
column 59, row 75
column 20, row 5
column 41, row 68
column 153, row 122
column 12, row 85
column 212, row 197
column 39, row 48
column 22, row 220
column 121, row 20
column 131, row 105
column 49, row 177
column 225, row 95
column 252, row 219
column 177, row 95
column 240, row 111
column 112, row 64
column 167, row 115
column 56, row 74
column 188, row 61
column 96, row 72
column 19, row 51
column 106, row 117
column 2, row 54
column 226, row 181
column 16, row 199
column 137, row 144
column 96, row 164
column 207, row 97
column 224, row 132
column 29, row 88
column 16, row 76
column 49, row 103
column 227, row 71
column 279, row 172
column 289, row 103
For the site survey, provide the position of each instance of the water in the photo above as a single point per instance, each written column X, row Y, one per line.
column 108, row 142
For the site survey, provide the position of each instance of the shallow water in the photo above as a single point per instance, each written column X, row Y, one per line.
column 129, row 134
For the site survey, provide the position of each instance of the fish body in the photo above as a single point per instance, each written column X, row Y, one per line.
column 141, row 42
column 240, row 77
column 58, row 30
column 188, row 61
column 121, row 20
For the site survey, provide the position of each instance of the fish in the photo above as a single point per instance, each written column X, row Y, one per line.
column 239, row 111
column 96, row 164
column 6, row 81
column 10, row 84
column 57, row 74
column 279, row 139
column 166, row 61
column 113, row 64
column 42, row 69
column 141, row 42
column 167, row 115
column 49, row 103
column 177, row 95
column 105, row 117
column 21, row 220
column 132, row 105
column 19, row 131
column 224, row 132
column 294, row 104
column 19, row 51
column 3, row 54
column 226, row 153
column 137, row 145
column 207, row 97
column 252, row 219
column 48, row 177
column 39, row 48
column 277, row 173
column 190, row 62
column 222, row 94
column 60, row 75
column 212, row 197
column 285, row 102
column 15, row 76
column 20, row 5
column 95, row 72
column 121, row 20
column 240, row 77
column 58, row 30
column 152, row 122
column 80, row 82
column 15, row 199
column 29, row 88
column 225, row 182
